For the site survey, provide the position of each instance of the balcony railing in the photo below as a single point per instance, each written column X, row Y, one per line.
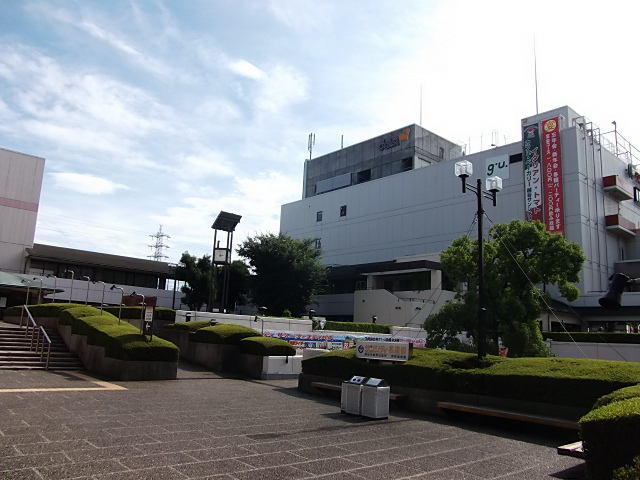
column 617, row 187
column 620, row 226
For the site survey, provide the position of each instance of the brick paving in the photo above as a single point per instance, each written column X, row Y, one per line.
column 206, row 426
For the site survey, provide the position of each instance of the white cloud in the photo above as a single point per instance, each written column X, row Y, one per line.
column 246, row 69
column 86, row 183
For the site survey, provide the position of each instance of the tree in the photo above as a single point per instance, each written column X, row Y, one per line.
column 518, row 256
column 196, row 272
column 238, row 284
column 287, row 272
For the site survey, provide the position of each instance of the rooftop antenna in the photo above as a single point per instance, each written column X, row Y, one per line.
column 420, row 104
column 535, row 70
column 341, row 142
column 159, row 245
column 312, row 142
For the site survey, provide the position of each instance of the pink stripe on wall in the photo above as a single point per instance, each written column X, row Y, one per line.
column 10, row 202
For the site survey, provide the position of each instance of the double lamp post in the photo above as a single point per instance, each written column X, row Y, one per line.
column 464, row 169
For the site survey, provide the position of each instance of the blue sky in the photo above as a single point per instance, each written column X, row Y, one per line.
column 166, row 112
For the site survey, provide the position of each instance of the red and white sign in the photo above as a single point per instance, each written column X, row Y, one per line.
column 552, row 162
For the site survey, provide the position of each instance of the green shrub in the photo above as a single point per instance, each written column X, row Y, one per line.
column 189, row 326
column 223, row 333
column 622, row 394
column 629, row 472
column 355, row 327
column 569, row 382
column 593, row 337
column 266, row 347
column 41, row 310
column 610, row 437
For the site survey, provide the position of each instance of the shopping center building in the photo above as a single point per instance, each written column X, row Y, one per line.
column 382, row 211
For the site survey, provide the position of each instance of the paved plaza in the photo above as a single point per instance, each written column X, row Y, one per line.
column 62, row 425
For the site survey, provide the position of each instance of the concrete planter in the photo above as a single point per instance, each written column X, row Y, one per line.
column 270, row 368
column 425, row 401
column 94, row 359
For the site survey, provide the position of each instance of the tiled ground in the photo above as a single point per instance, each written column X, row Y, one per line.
column 206, row 426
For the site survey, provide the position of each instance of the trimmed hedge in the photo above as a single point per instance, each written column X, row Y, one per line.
column 610, row 437
column 618, row 395
column 593, row 337
column 266, row 347
column 570, row 382
column 354, row 327
column 159, row 313
column 224, row 334
column 121, row 341
column 42, row 310
column 189, row 326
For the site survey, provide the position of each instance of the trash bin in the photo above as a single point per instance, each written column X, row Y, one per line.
column 351, row 395
column 375, row 398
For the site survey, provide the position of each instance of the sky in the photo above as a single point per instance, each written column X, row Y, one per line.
column 165, row 112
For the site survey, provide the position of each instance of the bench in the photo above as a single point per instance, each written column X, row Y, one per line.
column 574, row 450
column 400, row 399
column 510, row 415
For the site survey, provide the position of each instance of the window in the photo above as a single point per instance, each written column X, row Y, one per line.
column 343, row 211
column 636, row 194
column 407, row 164
column 318, row 243
column 363, row 176
column 319, row 216
column 440, row 152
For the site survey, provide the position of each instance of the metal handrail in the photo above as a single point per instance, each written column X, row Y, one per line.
column 36, row 332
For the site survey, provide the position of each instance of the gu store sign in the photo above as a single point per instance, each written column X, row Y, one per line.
column 542, row 161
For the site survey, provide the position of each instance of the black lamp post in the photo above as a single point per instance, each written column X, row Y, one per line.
column 464, row 169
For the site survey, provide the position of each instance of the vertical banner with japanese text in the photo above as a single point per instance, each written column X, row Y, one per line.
column 532, row 172
column 552, row 162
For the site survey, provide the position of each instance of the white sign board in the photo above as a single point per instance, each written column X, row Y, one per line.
column 497, row 167
column 392, row 351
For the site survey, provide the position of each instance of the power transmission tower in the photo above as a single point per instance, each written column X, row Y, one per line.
column 159, row 245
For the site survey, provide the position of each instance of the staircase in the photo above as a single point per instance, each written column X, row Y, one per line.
column 16, row 353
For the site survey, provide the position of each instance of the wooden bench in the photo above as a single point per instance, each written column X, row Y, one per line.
column 510, row 415
column 400, row 399
column 574, row 450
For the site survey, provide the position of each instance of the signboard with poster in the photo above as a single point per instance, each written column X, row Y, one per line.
column 532, row 172
column 390, row 351
column 147, row 320
column 552, row 162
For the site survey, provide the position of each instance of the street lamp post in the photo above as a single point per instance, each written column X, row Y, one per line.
column 134, row 294
column 40, row 291
column 55, row 284
column 103, row 287
column 70, row 291
column 86, row 300
column 464, row 169
column 113, row 287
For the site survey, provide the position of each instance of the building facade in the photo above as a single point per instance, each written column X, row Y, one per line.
column 580, row 181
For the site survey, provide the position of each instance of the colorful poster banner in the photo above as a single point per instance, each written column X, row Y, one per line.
column 552, row 161
column 335, row 341
column 532, row 172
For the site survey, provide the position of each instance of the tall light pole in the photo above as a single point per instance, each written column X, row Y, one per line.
column 86, row 300
column 113, row 287
column 103, row 287
column 71, row 291
column 55, row 284
column 464, row 169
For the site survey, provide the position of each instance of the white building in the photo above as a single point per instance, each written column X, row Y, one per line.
column 383, row 209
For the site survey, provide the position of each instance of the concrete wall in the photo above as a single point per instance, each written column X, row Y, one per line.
column 601, row 351
column 20, row 184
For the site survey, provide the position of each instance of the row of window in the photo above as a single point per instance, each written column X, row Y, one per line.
column 343, row 213
column 96, row 274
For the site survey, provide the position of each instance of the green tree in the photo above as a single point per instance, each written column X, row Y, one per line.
column 238, row 284
column 196, row 272
column 518, row 257
column 287, row 272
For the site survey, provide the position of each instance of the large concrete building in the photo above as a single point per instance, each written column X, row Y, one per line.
column 382, row 211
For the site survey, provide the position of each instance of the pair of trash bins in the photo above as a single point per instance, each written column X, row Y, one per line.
column 365, row 396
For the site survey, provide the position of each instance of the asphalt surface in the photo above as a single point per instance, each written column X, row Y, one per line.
column 57, row 425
